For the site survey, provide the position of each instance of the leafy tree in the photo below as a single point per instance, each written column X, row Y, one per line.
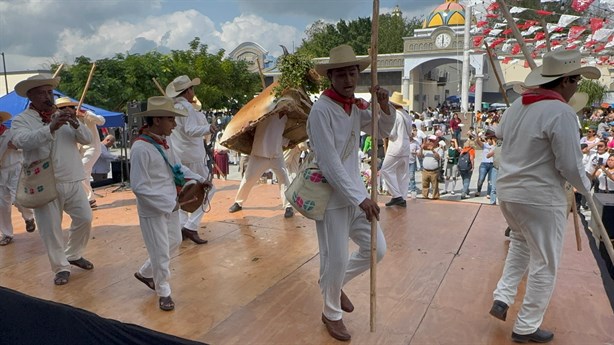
column 595, row 90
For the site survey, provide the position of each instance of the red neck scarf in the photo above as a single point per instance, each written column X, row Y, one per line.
column 3, row 128
column 45, row 115
column 346, row 102
column 539, row 94
column 158, row 139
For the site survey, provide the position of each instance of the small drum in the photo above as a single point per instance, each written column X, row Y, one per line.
column 192, row 196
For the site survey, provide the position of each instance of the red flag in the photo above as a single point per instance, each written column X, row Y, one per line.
column 596, row 23
column 555, row 43
column 516, row 49
column 477, row 40
column 486, row 31
column 506, row 60
column 539, row 35
column 575, row 32
column 481, row 23
column 506, row 32
column 590, row 43
column 492, row 15
column 599, row 48
column 580, row 5
column 497, row 42
column 493, row 7
column 543, row 13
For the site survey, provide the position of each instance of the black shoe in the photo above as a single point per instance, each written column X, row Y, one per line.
column 397, row 201
column 289, row 212
column 30, row 225
column 539, row 336
column 192, row 235
column 499, row 310
column 235, row 208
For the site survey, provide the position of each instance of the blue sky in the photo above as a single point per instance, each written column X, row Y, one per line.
column 36, row 33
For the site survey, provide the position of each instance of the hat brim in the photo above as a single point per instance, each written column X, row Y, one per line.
column 362, row 64
column 578, row 101
column 67, row 104
column 4, row 116
column 404, row 103
column 24, row 86
column 160, row 113
column 535, row 78
column 171, row 92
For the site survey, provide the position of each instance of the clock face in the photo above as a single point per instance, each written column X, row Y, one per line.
column 443, row 40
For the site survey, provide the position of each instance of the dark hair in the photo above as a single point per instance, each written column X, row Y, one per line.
column 551, row 85
column 149, row 120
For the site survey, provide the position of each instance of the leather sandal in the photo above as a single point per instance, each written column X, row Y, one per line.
column 166, row 303
column 6, row 240
column 82, row 263
column 147, row 281
column 346, row 304
column 61, row 278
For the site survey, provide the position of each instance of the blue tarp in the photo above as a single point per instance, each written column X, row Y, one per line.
column 15, row 104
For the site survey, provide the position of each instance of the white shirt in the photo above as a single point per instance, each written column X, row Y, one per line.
column 8, row 157
column 398, row 144
column 36, row 140
column 151, row 179
column 540, row 152
column 188, row 136
column 268, row 139
column 329, row 129
column 92, row 121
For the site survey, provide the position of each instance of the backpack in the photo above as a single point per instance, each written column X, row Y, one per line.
column 464, row 161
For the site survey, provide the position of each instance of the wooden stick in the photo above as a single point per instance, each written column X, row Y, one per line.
column 374, row 129
column 87, row 86
column 261, row 74
column 512, row 24
column 57, row 71
column 576, row 224
column 494, row 69
column 159, row 86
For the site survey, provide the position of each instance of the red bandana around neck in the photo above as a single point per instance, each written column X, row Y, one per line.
column 539, row 94
column 3, row 128
column 346, row 102
column 161, row 141
column 45, row 115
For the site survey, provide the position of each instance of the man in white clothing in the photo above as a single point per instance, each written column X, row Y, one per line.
column 395, row 168
column 43, row 131
column 10, row 166
column 334, row 126
column 89, row 152
column 188, row 143
column 540, row 152
column 155, row 173
column 267, row 153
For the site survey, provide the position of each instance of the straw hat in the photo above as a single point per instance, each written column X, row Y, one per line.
column 560, row 63
column 162, row 106
column 65, row 102
column 4, row 116
column 37, row 80
column 180, row 84
column 578, row 101
column 342, row 56
column 397, row 99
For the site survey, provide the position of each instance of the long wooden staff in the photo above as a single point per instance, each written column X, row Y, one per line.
column 494, row 69
column 57, row 71
column 159, row 86
column 87, row 86
column 374, row 129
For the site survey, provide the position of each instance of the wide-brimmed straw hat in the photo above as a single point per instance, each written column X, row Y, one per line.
column 560, row 63
column 4, row 116
column 397, row 99
column 65, row 102
column 342, row 56
column 578, row 101
column 162, row 106
column 37, row 80
column 180, row 84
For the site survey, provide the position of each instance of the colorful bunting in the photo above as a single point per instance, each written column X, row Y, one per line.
column 544, row 13
column 580, row 5
column 566, row 19
column 597, row 23
column 575, row 32
column 477, row 40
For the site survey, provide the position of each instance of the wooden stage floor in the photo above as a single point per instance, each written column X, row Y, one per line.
column 255, row 282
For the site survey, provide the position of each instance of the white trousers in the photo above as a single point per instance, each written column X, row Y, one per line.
column 90, row 156
column 337, row 267
column 255, row 168
column 73, row 201
column 162, row 237
column 9, row 177
column 192, row 220
column 536, row 243
column 395, row 172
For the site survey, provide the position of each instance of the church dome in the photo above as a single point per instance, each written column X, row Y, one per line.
column 450, row 13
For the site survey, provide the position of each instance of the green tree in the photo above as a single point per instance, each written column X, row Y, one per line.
column 595, row 90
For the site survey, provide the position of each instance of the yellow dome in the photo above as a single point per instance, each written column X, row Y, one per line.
column 450, row 13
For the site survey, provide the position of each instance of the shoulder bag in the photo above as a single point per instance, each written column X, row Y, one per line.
column 36, row 186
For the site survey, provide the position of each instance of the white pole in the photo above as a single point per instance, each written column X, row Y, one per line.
column 465, row 76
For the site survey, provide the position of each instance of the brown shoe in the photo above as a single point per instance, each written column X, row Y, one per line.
column 193, row 235
column 336, row 329
column 346, row 304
